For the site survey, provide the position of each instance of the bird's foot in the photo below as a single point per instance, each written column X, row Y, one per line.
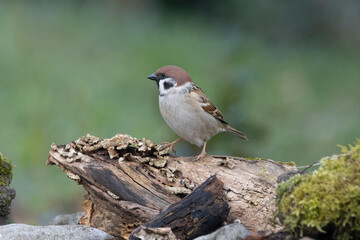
column 170, row 146
column 165, row 146
column 200, row 156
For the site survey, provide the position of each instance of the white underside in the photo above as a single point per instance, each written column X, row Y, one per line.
column 187, row 119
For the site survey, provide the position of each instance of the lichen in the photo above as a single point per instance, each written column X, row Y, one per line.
column 169, row 174
column 226, row 163
column 5, row 171
column 326, row 202
column 178, row 190
column 113, row 195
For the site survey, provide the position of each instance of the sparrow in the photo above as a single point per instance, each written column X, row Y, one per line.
column 187, row 110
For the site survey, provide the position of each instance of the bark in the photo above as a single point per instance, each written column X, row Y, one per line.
column 199, row 213
column 130, row 181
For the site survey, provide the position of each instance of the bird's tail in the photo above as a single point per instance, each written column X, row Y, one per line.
column 235, row 132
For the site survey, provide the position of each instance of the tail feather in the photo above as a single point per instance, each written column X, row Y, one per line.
column 235, row 132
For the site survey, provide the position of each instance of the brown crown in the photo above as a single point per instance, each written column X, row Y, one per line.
column 178, row 74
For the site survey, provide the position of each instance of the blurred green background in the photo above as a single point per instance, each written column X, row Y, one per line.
column 286, row 73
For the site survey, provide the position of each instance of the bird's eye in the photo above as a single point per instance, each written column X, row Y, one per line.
column 163, row 75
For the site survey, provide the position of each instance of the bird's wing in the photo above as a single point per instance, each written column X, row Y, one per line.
column 206, row 104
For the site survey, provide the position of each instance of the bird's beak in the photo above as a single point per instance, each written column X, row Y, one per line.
column 152, row 77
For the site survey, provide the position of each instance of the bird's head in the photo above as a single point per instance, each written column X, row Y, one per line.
column 169, row 77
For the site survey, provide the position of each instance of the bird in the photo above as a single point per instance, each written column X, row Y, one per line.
column 187, row 110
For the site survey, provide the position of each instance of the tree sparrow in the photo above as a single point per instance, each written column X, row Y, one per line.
column 187, row 110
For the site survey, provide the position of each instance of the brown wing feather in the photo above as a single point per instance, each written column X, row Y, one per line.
column 207, row 105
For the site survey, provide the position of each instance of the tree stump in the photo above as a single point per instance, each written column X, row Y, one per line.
column 130, row 181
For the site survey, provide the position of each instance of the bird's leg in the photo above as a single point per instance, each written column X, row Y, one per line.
column 170, row 145
column 202, row 154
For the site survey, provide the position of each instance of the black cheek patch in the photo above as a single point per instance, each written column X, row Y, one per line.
column 168, row 85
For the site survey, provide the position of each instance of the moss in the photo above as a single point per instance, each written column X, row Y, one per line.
column 292, row 164
column 5, row 171
column 325, row 202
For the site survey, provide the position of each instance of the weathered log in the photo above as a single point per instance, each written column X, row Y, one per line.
column 199, row 213
column 130, row 181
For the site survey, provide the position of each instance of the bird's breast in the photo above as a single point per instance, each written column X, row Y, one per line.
column 187, row 119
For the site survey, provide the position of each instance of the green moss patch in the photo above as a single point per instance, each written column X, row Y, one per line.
column 5, row 171
column 292, row 164
column 326, row 202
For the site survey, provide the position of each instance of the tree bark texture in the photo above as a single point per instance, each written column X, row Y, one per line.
column 199, row 213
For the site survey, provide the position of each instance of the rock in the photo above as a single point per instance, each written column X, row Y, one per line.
column 63, row 232
column 155, row 234
column 280, row 235
column 235, row 231
column 67, row 219
column 7, row 194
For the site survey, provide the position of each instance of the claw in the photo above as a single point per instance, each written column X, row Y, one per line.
column 172, row 148
column 164, row 146
column 199, row 157
column 202, row 154
column 170, row 145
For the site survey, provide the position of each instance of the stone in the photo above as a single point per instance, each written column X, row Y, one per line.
column 67, row 219
column 7, row 194
column 59, row 232
column 235, row 231
column 155, row 234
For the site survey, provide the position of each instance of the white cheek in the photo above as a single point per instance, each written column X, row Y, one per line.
column 162, row 89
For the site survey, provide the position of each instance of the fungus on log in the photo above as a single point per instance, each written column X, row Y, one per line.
column 129, row 181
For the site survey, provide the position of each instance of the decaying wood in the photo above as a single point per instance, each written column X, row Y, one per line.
column 130, row 181
column 199, row 213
